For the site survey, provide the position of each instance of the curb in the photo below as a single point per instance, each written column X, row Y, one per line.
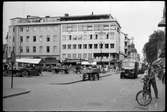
column 16, row 94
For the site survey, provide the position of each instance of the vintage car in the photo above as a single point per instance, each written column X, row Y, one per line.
column 90, row 73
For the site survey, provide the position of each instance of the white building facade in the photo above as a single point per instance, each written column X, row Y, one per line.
column 90, row 37
column 30, row 38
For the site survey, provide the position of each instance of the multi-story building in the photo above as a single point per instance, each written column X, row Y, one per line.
column 91, row 37
column 34, row 37
column 125, row 42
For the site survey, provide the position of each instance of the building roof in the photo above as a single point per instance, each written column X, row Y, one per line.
column 85, row 17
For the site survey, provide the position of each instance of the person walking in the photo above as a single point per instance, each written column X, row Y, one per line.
column 151, row 74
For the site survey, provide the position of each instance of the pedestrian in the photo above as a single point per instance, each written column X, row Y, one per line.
column 151, row 74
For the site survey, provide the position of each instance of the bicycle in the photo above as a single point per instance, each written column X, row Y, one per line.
column 143, row 97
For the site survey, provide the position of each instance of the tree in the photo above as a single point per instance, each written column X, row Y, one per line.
column 156, row 42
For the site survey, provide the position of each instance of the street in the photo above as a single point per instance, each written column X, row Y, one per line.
column 67, row 92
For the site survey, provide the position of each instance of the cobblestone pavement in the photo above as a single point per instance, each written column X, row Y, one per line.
column 67, row 92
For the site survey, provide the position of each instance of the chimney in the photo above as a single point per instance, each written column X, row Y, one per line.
column 66, row 14
column 28, row 16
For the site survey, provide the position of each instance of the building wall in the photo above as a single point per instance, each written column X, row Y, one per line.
column 28, row 33
column 59, row 33
column 89, row 33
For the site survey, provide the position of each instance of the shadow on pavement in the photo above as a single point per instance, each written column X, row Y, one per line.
column 65, row 83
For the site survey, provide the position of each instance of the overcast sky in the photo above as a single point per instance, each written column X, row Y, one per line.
column 137, row 19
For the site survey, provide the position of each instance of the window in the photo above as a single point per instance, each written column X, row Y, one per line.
column 64, row 46
column 90, row 36
column 47, row 49
column 27, row 38
column 84, row 55
column 40, row 49
column 106, row 46
column 69, row 56
column 27, row 49
column 79, row 55
column 48, row 38
column 111, row 35
column 13, row 29
column 69, row 28
column 74, row 46
column 74, row 37
column 125, row 51
column 34, row 38
column 111, row 45
column 13, row 39
column 95, row 46
column 126, row 44
column 74, row 56
column 63, row 56
column 27, row 29
column 21, row 38
column 105, row 27
column 101, row 45
column 85, row 46
column 64, row 37
column 80, row 37
column 69, row 46
column 90, row 55
column 70, row 37
column 54, row 37
column 96, row 36
column 107, row 36
column 79, row 46
column 21, row 29
column 98, row 27
column 34, row 49
column 90, row 46
column 89, row 27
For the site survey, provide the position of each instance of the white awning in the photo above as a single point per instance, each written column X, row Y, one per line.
column 26, row 60
column 88, row 63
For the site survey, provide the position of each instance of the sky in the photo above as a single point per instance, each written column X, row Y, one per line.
column 138, row 19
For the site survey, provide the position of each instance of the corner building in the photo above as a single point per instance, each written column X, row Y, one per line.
column 90, row 37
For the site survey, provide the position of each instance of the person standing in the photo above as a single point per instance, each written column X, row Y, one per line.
column 151, row 74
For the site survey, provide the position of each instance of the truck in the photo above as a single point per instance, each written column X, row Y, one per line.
column 129, row 69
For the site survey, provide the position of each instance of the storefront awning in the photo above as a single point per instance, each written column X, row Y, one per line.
column 88, row 63
column 30, row 61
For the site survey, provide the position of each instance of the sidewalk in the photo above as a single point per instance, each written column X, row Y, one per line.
column 9, row 92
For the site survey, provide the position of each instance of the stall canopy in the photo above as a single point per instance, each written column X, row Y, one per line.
column 30, row 61
column 88, row 63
